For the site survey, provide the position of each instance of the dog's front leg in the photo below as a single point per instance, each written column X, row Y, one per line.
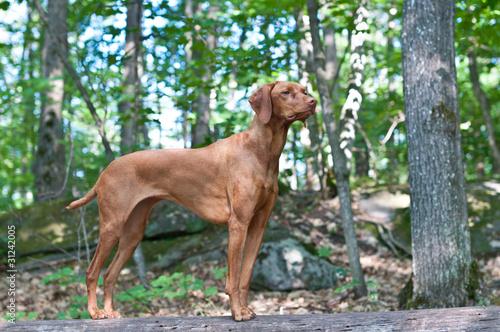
column 237, row 236
column 253, row 242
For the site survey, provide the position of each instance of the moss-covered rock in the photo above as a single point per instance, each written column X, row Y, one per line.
column 47, row 227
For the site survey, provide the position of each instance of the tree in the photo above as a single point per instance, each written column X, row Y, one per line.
column 349, row 113
column 202, row 46
column 341, row 171
column 440, row 235
column 50, row 161
column 485, row 105
column 305, row 65
column 129, row 106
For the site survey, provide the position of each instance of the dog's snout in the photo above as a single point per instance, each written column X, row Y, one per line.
column 311, row 101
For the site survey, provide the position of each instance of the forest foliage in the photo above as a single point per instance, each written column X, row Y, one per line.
column 255, row 42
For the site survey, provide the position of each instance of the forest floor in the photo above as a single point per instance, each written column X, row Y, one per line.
column 386, row 271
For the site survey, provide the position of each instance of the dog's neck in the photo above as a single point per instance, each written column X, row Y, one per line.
column 270, row 138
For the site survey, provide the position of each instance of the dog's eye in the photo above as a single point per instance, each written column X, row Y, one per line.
column 286, row 92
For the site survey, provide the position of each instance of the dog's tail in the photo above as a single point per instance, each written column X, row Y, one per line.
column 84, row 200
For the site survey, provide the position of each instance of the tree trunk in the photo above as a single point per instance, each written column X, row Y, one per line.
column 315, row 170
column 362, row 163
column 485, row 105
column 341, row 172
column 440, row 234
column 130, row 104
column 29, row 102
column 392, row 151
column 51, row 158
column 200, row 132
column 349, row 113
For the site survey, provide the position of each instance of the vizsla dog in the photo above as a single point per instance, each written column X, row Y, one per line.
column 231, row 182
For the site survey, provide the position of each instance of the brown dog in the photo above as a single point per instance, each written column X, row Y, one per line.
column 231, row 182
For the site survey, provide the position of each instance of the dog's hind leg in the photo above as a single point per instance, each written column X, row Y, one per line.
column 130, row 237
column 108, row 237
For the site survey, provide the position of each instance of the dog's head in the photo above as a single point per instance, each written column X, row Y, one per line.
column 287, row 101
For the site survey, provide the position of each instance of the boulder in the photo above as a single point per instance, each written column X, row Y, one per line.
column 285, row 264
column 47, row 227
column 168, row 219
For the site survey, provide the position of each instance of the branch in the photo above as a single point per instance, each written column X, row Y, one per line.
column 395, row 121
column 76, row 79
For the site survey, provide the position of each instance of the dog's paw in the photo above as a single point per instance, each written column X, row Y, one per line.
column 98, row 314
column 113, row 314
column 244, row 315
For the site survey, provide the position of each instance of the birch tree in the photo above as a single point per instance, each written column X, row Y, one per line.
column 352, row 105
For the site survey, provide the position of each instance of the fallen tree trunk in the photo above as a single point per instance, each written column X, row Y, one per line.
column 452, row 319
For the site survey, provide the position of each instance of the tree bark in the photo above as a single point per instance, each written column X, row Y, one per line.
column 440, row 234
column 201, row 130
column 129, row 106
column 315, row 170
column 485, row 105
column 349, row 113
column 51, row 157
column 341, row 172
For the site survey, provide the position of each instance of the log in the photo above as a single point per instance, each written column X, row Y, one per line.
column 452, row 319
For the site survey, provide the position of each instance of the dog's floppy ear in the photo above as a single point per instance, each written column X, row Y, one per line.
column 261, row 102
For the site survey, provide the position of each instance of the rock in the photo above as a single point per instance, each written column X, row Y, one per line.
column 47, row 227
column 169, row 219
column 285, row 264
column 173, row 252
column 383, row 204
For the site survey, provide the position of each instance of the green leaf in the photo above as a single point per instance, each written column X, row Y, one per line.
column 32, row 315
column 85, row 314
column 62, row 315
column 373, row 296
column 324, row 252
column 79, row 299
column 220, row 273
column 161, row 281
column 344, row 287
column 73, row 313
column 341, row 272
column 197, row 284
column 4, row 5
column 211, row 291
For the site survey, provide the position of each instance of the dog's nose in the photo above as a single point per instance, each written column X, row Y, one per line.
column 311, row 101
